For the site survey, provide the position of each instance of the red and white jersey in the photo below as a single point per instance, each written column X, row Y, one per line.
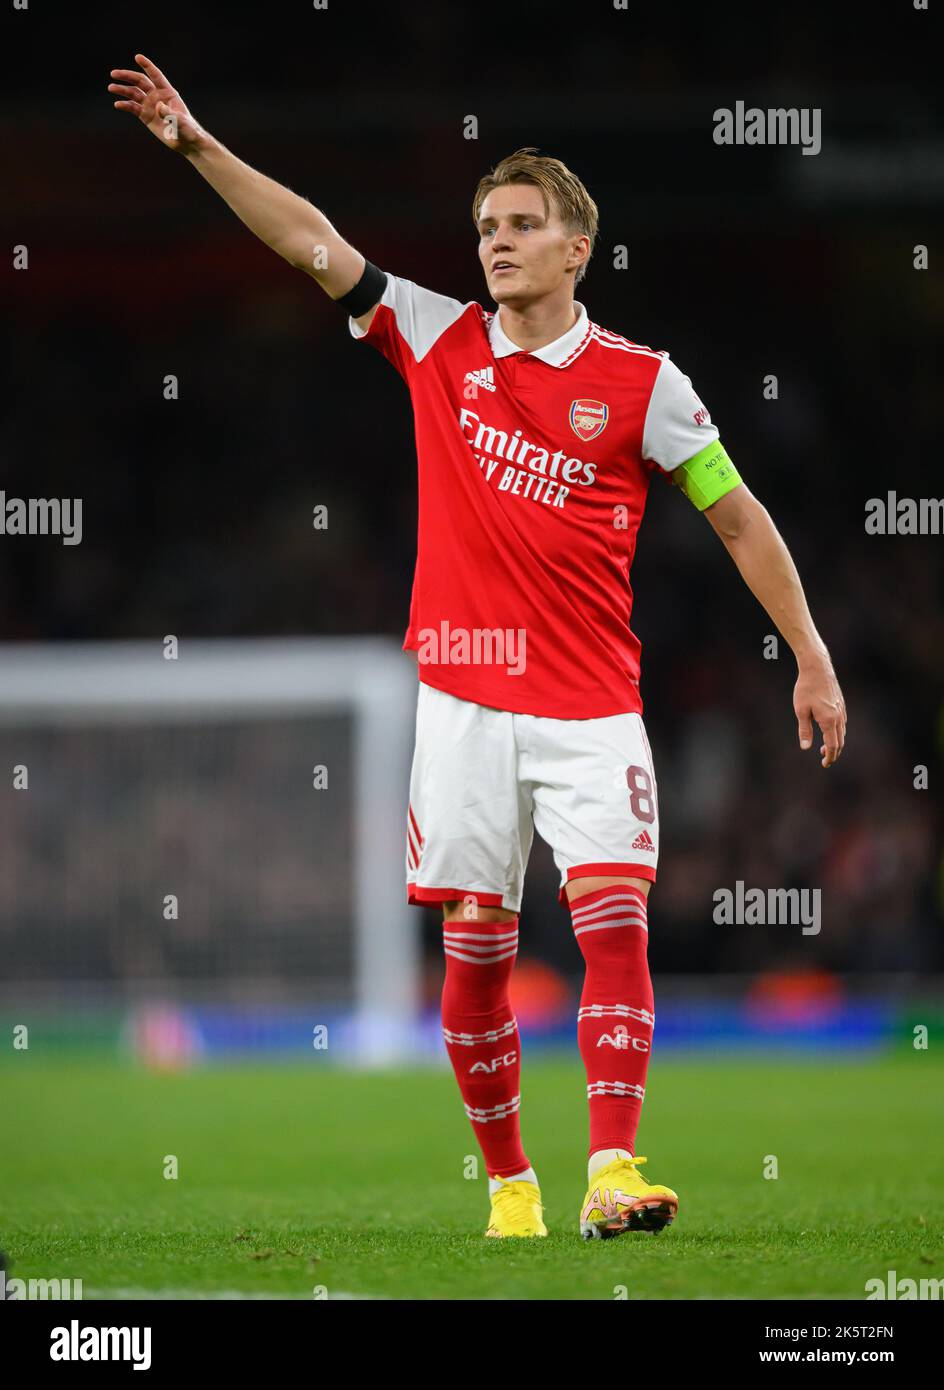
column 533, row 474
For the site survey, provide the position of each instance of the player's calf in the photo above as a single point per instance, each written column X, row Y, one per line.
column 481, row 1036
column 614, row 1032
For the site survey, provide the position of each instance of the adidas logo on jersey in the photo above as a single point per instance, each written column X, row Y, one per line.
column 484, row 378
column 644, row 841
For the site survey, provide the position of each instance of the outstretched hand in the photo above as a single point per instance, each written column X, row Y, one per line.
column 817, row 696
column 149, row 96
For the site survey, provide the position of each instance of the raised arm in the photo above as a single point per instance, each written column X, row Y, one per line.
column 291, row 225
column 765, row 564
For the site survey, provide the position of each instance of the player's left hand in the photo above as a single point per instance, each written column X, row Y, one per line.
column 816, row 696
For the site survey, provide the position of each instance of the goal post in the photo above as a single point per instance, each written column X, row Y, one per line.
column 261, row 719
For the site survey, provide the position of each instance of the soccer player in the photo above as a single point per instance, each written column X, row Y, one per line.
column 537, row 434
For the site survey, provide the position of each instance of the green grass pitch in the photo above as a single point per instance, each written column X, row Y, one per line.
column 293, row 1178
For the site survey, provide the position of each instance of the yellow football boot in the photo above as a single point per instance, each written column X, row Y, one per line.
column 516, row 1210
column 619, row 1200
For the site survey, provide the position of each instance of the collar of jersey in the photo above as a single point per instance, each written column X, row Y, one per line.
column 554, row 354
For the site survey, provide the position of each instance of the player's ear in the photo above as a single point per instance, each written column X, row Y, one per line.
column 579, row 250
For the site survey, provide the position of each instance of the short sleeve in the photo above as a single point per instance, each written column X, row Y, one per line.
column 408, row 322
column 678, row 424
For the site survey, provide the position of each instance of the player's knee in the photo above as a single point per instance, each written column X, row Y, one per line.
column 611, row 924
column 480, row 956
column 580, row 887
column 469, row 910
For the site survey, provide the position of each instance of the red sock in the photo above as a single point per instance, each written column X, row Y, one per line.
column 614, row 1025
column 482, row 1036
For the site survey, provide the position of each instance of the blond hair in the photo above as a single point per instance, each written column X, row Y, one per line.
column 558, row 185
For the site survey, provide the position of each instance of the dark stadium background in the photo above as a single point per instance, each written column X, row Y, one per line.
column 743, row 262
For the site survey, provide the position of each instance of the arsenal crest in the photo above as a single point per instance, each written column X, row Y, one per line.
column 588, row 418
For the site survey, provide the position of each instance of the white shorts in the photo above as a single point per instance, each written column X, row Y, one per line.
column 484, row 778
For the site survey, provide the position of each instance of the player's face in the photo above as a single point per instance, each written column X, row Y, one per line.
column 525, row 253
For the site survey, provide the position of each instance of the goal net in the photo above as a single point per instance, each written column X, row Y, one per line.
column 223, row 829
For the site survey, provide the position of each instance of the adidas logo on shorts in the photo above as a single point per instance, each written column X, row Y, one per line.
column 644, row 841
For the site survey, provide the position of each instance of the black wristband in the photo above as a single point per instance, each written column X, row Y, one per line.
column 366, row 293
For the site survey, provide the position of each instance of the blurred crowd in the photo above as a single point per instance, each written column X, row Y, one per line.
column 198, row 522
column 801, row 319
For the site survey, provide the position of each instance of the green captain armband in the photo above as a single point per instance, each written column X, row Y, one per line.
column 708, row 476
